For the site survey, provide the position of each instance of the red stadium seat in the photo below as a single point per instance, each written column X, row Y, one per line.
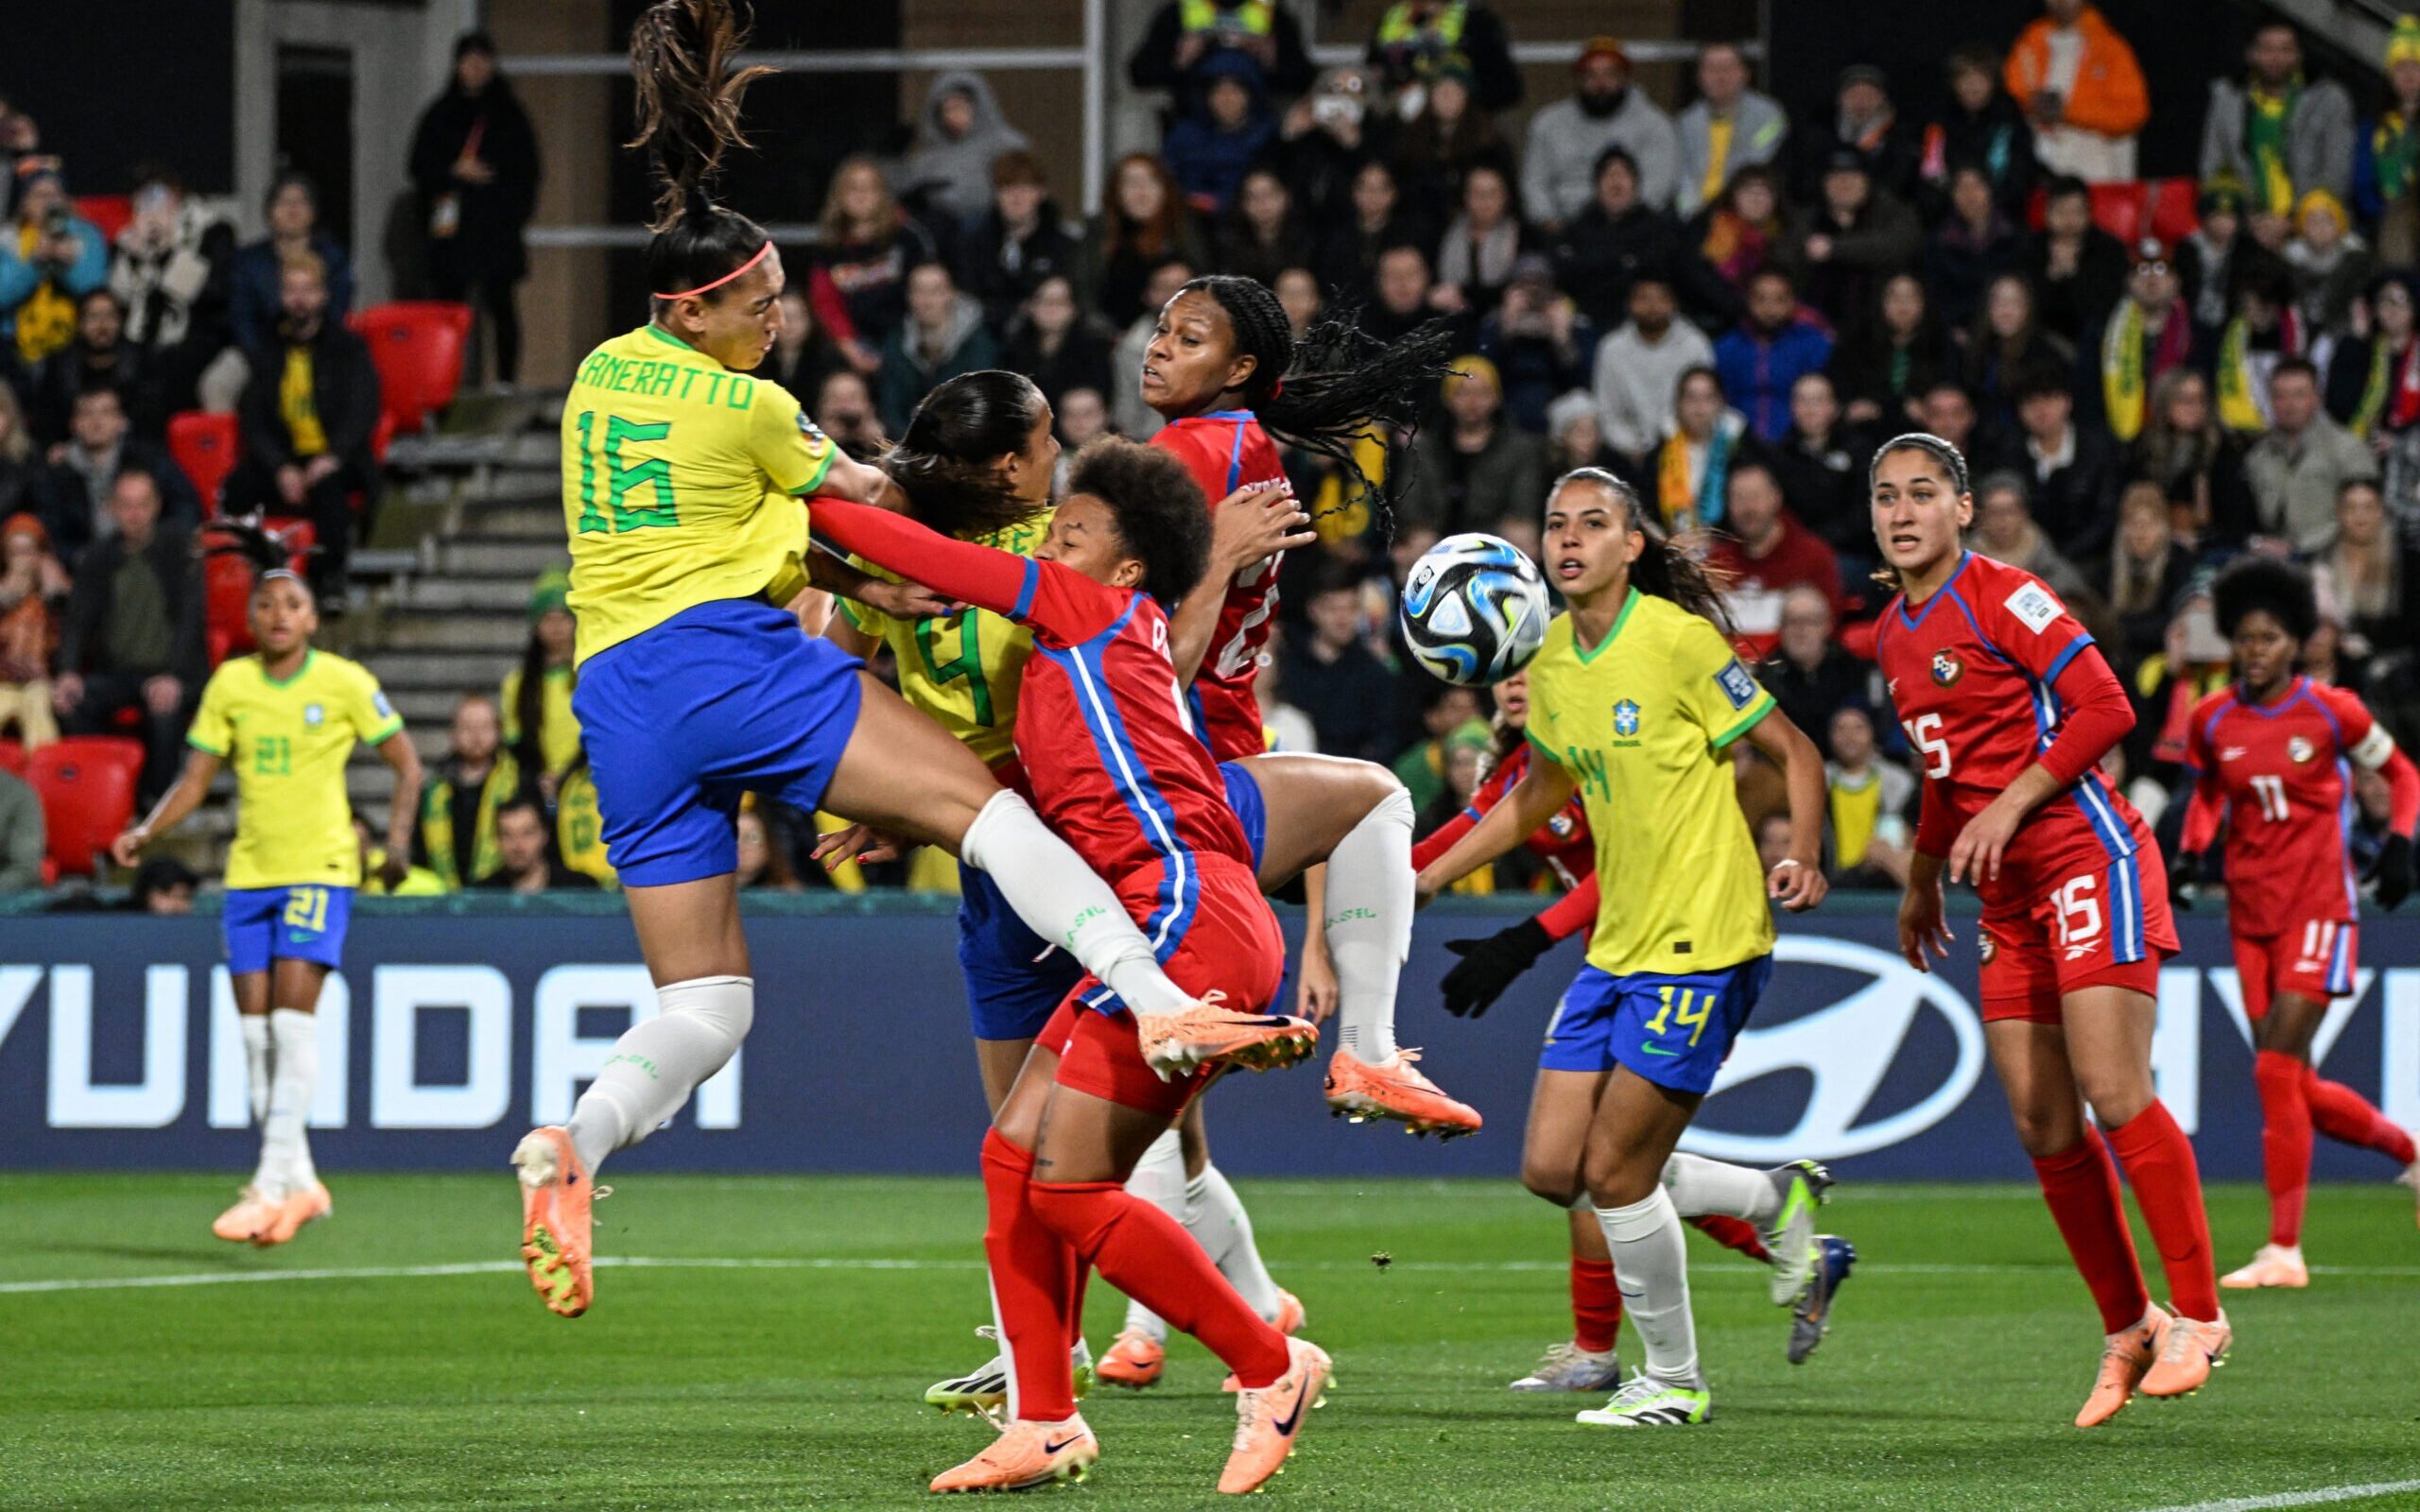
column 2118, row 209
column 207, row 446
column 12, row 757
column 418, row 346
column 87, row 788
column 109, row 212
column 2173, row 212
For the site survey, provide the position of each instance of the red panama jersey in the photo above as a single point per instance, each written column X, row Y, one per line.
column 1227, row 450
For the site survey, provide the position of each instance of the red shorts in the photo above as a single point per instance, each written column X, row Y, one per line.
column 2066, row 915
column 2312, row 959
column 1230, row 944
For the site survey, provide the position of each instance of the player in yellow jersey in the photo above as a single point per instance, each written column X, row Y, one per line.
column 683, row 480
column 1635, row 701
column 286, row 718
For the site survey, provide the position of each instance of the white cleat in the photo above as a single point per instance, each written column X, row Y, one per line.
column 1567, row 1366
column 2270, row 1266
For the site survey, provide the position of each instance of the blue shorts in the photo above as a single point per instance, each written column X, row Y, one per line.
column 1675, row 1031
column 1014, row 979
column 722, row 699
column 1243, row 796
column 264, row 924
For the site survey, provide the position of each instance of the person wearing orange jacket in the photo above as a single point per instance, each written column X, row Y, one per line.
column 2082, row 90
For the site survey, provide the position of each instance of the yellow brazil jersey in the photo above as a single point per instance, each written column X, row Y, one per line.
column 676, row 472
column 962, row 669
column 558, row 736
column 1640, row 722
column 288, row 742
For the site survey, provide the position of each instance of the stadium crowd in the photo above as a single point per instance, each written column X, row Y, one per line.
column 1729, row 306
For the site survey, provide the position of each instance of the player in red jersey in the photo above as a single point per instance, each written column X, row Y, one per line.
column 2272, row 758
column 1108, row 743
column 2011, row 707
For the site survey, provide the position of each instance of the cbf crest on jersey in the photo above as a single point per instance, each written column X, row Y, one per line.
column 314, row 715
column 1626, row 719
column 1947, row 668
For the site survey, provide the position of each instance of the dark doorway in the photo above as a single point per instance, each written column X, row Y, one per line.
column 315, row 127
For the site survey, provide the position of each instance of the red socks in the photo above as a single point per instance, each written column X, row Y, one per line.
column 2345, row 1115
column 2168, row 1187
column 1733, row 1233
column 2080, row 1187
column 2285, row 1142
column 1033, row 1274
column 1150, row 1256
column 1596, row 1305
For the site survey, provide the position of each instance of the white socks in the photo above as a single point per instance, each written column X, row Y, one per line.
column 255, row 1027
column 293, row 1055
column 1369, row 910
column 1158, row 1179
column 1700, row 1186
column 1215, row 1216
column 1652, row 1265
column 1064, row 902
column 657, row 1064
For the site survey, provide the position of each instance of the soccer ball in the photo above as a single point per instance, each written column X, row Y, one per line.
column 1475, row 609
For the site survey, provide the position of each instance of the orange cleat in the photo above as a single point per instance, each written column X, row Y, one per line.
column 1289, row 1321
column 1026, row 1455
column 2191, row 1351
column 1362, row 1089
column 1176, row 1044
column 291, row 1214
column 2122, row 1363
column 1268, row 1419
column 1134, row 1362
column 253, row 1211
column 2269, row 1265
column 556, row 1196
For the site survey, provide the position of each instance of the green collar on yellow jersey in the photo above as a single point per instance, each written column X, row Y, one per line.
column 308, row 657
column 662, row 335
column 1588, row 654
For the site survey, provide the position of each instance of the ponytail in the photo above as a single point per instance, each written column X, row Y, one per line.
column 1670, row 567
column 947, row 463
column 688, row 115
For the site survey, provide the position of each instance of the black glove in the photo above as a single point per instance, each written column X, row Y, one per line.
column 1489, row 966
column 2393, row 872
column 2184, row 878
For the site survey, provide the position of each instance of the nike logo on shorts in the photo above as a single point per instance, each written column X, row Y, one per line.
column 1652, row 1050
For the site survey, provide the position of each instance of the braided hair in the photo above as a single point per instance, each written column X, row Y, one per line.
column 1671, row 567
column 1338, row 384
column 688, row 115
column 947, row 463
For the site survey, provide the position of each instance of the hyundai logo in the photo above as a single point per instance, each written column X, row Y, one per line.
column 1846, row 1048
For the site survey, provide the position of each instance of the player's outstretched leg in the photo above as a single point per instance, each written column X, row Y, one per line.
column 1811, row 1315
column 1780, row 1202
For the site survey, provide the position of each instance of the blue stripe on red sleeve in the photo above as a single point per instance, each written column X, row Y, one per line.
column 1024, row 593
column 2059, row 663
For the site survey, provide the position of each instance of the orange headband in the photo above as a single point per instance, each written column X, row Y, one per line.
column 726, row 278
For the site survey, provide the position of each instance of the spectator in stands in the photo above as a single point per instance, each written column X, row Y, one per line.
column 803, row 352
column 163, row 889
column 23, row 840
column 2387, row 150
column 1767, row 554
column 1575, row 437
column 466, row 792
column 1639, row 367
column 1767, row 351
column 1140, row 229
column 1404, row 289
column 1486, row 239
column 2005, row 531
column 2141, row 575
column 1083, row 415
column 1731, row 126
column 943, row 338
column 2331, row 262
column 254, row 289
column 1134, row 419
column 1186, row 36
column 960, row 133
column 2278, row 133
column 2206, row 257
column 475, row 164
column 74, row 491
column 764, row 865
column 21, row 466
column 1868, row 799
column 50, row 258
column 1894, row 355
column 1477, row 471
column 1564, row 169
column 524, row 858
column 1377, row 218
column 1742, row 232
column 1436, row 151
column 2074, row 472
column 1325, row 138
column 419, row 882
column 2010, row 343
column 539, row 729
column 1264, row 234
column 309, row 410
column 1809, row 673
column 1209, row 148
column 857, row 273
column 132, row 635
column 1416, row 40
column 2374, row 372
column 1053, row 343
column 1821, row 462
column 1974, row 243
column 1298, row 294
column 1949, row 411
column 2297, row 470
column 1461, row 753
column 1018, row 242
column 1860, row 233
column 2197, row 463
column 2376, row 573
column 1687, row 476
column 1983, row 128
column 1538, row 341
column 2079, row 85
column 1614, row 240
column 1865, row 125
column 2266, row 331
column 100, row 356
column 1422, row 768
column 33, row 588
column 171, row 274
column 1334, row 677
column 2077, row 270
column 2148, row 337
column 844, row 411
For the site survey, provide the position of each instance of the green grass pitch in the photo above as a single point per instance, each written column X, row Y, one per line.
column 787, row 1374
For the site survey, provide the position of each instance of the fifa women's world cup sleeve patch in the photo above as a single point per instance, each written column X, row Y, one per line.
column 1724, row 698
column 374, row 716
column 2034, row 607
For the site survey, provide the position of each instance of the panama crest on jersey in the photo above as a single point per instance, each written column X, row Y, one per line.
column 1947, row 668
column 2299, row 750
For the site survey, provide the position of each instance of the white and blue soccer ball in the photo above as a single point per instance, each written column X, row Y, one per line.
column 1475, row 609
